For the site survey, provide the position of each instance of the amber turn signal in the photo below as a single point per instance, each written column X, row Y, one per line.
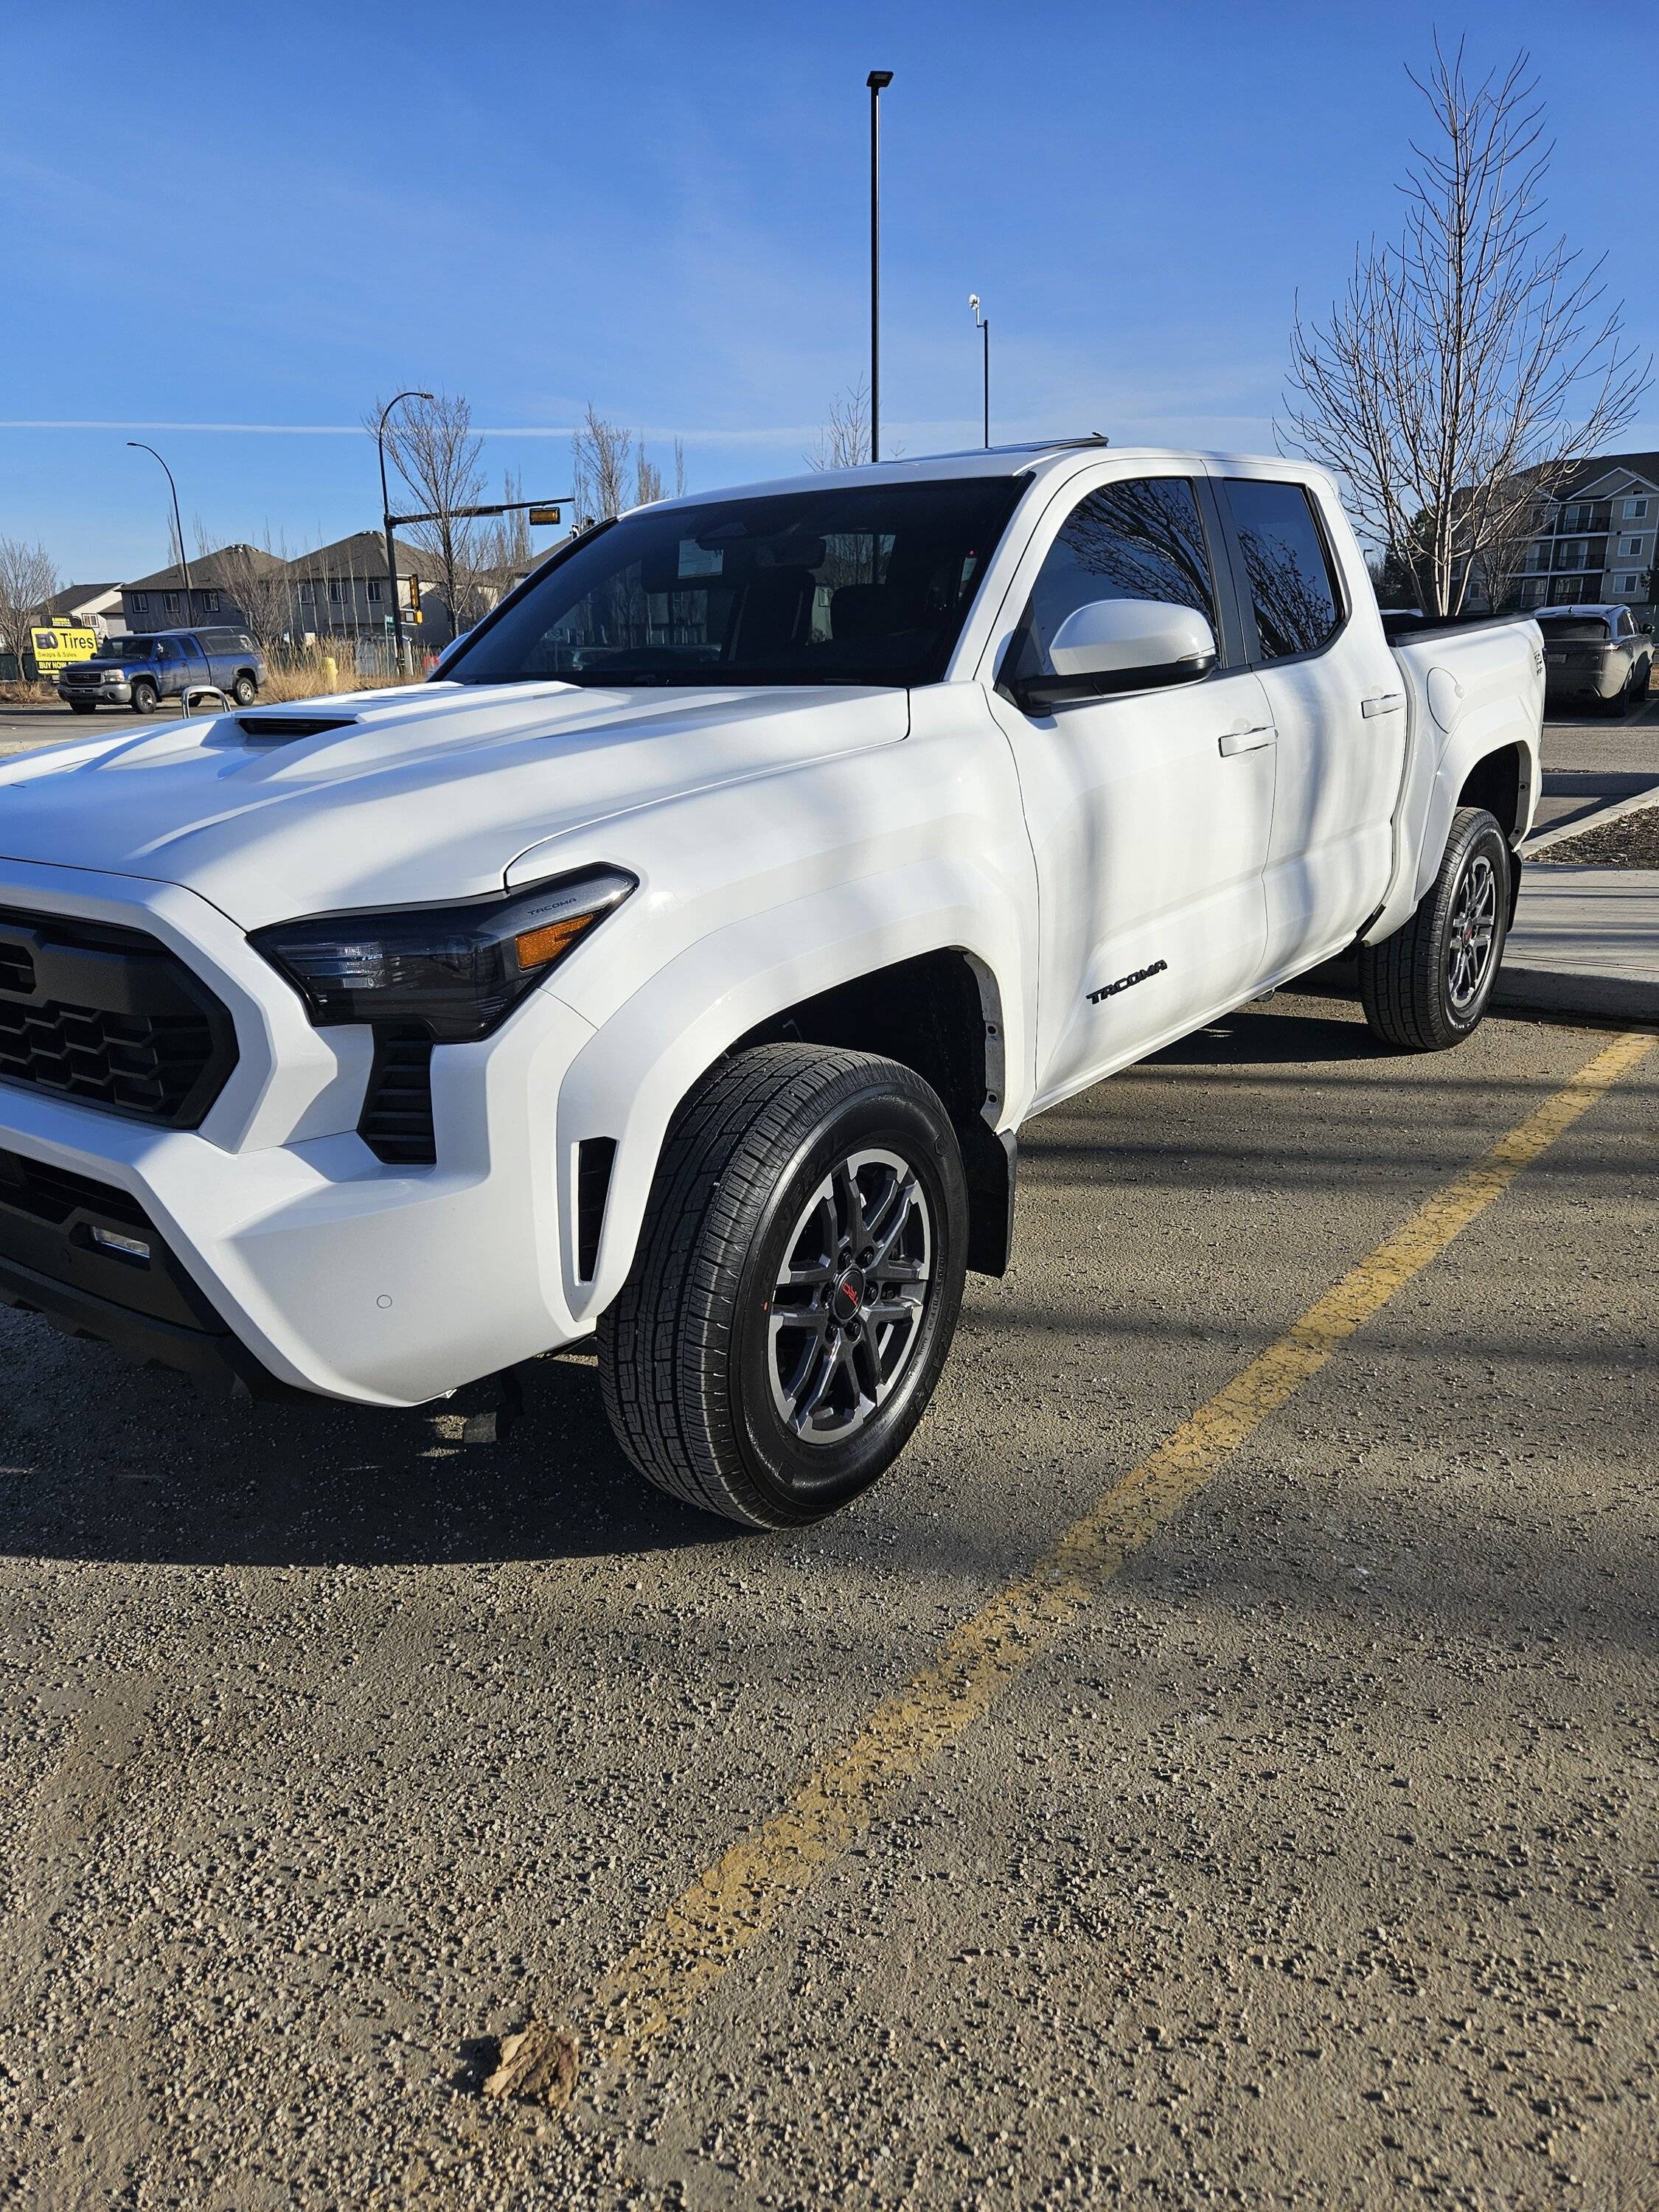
column 536, row 947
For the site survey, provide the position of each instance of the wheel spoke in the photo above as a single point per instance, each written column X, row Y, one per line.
column 899, row 1206
column 828, row 1357
column 853, row 1227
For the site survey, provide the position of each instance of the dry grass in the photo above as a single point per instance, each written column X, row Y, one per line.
column 313, row 672
column 28, row 695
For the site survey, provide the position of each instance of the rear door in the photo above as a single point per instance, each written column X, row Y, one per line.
column 195, row 663
column 1149, row 812
column 1337, row 700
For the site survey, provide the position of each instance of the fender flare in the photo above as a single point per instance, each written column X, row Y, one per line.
column 629, row 1077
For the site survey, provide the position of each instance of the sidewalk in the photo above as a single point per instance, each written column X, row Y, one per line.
column 1585, row 941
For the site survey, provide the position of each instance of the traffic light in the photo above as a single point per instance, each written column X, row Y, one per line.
column 415, row 615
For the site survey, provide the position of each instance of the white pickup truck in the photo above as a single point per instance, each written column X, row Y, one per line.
column 680, row 962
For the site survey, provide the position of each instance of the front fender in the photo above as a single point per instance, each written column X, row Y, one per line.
column 629, row 1078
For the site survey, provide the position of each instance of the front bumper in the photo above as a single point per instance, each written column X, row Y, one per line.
column 109, row 691
column 297, row 1255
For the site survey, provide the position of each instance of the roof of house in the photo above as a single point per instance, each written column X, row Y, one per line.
column 73, row 596
column 1583, row 474
column 220, row 569
column 363, row 554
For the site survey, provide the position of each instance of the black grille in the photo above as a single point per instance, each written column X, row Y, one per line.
column 54, row 1193
column 595, row 1157
column 396, row 1122
column 109, row 1017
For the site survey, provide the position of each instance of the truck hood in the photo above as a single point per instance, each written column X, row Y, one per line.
column 420, row 794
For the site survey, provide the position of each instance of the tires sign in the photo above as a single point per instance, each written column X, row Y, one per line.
column 58, row 649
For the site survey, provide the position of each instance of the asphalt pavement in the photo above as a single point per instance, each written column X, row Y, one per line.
column 1306, row 1861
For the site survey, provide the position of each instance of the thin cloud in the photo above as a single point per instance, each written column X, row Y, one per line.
column 786, row 435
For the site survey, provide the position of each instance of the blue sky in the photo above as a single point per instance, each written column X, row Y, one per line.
column 268, row 215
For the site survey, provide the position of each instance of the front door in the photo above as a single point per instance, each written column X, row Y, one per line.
column 1150, row 812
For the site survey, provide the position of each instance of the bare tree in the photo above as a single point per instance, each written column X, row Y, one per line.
column 505, row 549
column 433, row 447
column 256, row 580
column 844, row 441
column 600, row 453
column 647, row 482
column 28, row 581
column 1467, row 366
column 679, row 468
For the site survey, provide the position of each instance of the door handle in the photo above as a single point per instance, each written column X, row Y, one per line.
column 1247, row 741
column 1385, row 702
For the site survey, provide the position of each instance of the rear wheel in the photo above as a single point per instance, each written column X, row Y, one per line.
column 1426, row 987
column 795, row 1288
column 143, row 697
column 245, row 690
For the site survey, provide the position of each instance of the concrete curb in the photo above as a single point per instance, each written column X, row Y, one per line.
column 1624, row 998
column 1610, row 812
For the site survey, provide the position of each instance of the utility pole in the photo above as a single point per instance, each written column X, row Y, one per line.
column 138, row 446
column 983, row 324
column 878, row 80
column 385, row 517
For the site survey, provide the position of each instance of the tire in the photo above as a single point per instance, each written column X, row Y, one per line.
column 84, row 706
column 1416, row 986
column 766, row 1173
column 245, row 690
column 143, row 697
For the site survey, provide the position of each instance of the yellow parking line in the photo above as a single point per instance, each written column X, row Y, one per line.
column 687, row 1949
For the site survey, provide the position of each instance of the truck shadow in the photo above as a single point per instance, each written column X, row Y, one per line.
column 1260, row 1036
column 101, row 1460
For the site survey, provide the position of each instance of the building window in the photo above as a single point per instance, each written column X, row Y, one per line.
column 141, row 603
column 211, row 600
column 305, row 591
column 336, row 591
column 1628, row 583
column 172, row 606
column 1636, row 510
column 375, row 588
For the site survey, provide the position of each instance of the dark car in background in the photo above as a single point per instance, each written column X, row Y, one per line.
column 141, row 671
column 1594, row 656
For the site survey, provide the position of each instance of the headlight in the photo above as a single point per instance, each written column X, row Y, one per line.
column 456, row 970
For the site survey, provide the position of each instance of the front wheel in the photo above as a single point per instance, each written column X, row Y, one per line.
column 1426, row 987
column 795, row 1287
column 143, row 697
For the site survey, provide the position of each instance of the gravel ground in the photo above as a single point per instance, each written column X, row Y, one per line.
column 1314, row 1869
column 1629, row 841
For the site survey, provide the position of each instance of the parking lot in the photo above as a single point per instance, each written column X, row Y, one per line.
column 1294, row 1849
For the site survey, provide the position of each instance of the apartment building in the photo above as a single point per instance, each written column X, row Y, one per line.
column 1596, row 540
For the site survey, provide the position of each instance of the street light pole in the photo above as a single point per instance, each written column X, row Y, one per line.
column 138, row 446
column 386, row 518
column 878, row 80
column 983, row 324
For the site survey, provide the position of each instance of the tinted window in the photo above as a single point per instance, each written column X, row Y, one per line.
column 1298, row 606
column 1139, row 540
column 1575, row 630
column 856, row 583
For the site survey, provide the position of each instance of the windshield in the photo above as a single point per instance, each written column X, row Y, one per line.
column 127, row 648
column 854, row 584
column 1574, row 629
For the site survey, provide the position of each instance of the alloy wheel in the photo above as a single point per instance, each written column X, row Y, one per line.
column 1473, row 935
column 847, row 1305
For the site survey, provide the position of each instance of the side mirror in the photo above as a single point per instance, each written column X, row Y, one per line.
column 1121, row 644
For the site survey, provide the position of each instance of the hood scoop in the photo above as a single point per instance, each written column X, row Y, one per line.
column 282, row 729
